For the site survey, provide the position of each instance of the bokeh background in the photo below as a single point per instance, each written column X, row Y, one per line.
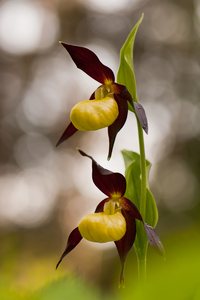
column 44, row 190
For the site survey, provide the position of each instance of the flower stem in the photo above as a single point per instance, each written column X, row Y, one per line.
column 142, row 249
column 143, row 171
column 142, row 264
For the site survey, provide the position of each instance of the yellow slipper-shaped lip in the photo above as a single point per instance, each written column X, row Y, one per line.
column 94, row 114
column 102, row 228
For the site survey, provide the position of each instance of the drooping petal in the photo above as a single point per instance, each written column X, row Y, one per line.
column 154, row 239
column 69, row 131
column 118, row 123
column 73, row 240
column 111, row 184
column 130, row 213
column 87, row 61
column 152, row 236
column 140, row 113
column 125, row 244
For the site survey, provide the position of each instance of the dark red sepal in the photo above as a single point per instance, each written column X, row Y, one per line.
column 140, row 113
column 125, row 244
column 73, row 240
column 69, row 131
column 87, row 61
column 108, row 182
column 118, row 123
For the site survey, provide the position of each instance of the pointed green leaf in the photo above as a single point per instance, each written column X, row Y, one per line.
column 132, row 175
column 151, row 209
column 130, row 156
column 133, row 191
column 126, row 74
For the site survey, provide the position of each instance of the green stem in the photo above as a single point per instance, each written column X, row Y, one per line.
column 142, row 253
column 142, row 264
column 143, row 171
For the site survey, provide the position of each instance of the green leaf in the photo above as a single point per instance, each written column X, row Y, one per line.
column 151, row 209
column 130, row 156
column 126, row 74
column 133, row 191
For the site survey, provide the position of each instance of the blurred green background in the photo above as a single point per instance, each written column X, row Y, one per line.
column 44, row 191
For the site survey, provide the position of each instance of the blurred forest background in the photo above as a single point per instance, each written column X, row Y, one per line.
column 44, row 190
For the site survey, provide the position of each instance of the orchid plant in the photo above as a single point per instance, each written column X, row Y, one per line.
column 109, row 105
column 129, row 213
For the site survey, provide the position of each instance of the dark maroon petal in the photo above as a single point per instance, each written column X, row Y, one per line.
column 118, row 123
column 125, row 244
column 129, row 206
column 121, row 90
column 108, row 182
column 92, row 97
column 73, row 240
column 100, row 206
column 87, row 61
column 69, row 131
column 154, row 238
column 140, row 113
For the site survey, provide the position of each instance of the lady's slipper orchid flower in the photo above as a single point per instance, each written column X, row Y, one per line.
column 109, row 105
column 114, row 218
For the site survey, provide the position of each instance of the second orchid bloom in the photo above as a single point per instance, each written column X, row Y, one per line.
column 114, row 218
column 107, row 106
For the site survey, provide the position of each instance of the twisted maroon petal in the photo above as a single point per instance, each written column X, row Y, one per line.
column 118, row 123
column 87, row 61
column 73, row 240
column 125, row 244
column 130, row 213
column 69, row 131
column 108, row 182
column 122, row 91
column 152, row 236
column 129, row 206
